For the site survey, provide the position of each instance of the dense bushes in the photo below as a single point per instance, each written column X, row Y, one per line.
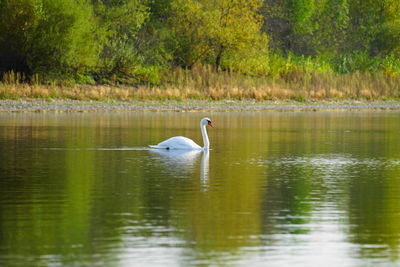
column 138, row 41
column 48, row 37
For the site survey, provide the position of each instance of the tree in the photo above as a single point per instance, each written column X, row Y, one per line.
column 155, row 37
column 17, row 18
column 301, row 14
column 207, row 29
column 46, row 36
column 290, row 24
column 387, row 40
column 331, row 28
column 121, row 21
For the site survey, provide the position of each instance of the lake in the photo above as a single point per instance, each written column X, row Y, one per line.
column 276, row 189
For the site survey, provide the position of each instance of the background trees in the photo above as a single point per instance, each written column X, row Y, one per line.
column 119, row 23
column 47, row 37
column 139, row 39
column 206, row 30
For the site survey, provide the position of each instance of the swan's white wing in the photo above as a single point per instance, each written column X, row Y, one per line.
column 177, row 142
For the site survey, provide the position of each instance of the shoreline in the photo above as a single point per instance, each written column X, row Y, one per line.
column 40, row 105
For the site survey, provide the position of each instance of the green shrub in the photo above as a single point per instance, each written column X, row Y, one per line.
column 54, row 38
column 120, row 21
column 356, row 61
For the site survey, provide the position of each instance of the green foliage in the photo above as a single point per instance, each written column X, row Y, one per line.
column 206, row 29
column 332, row 23
column 149, row 75
column 48, row 37
column 138, row 41
column 290, row 65
column 357, row 61
column 120, row 21
column 390, row 65
column 301, row 12
column 18, row 18
column 63, row 39
column 253, row 62
column 188, row 24
column 84, row 79
column 353, row 35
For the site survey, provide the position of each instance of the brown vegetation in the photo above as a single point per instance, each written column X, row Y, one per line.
column 207, row 84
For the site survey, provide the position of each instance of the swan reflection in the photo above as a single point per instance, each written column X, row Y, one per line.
column 204, row 167
column 184, row 161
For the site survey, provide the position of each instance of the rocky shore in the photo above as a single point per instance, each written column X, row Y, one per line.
column 39, row 105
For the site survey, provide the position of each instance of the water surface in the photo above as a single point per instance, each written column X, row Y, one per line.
column 277, row 189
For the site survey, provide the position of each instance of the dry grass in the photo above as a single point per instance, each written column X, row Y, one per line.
column 205, row 83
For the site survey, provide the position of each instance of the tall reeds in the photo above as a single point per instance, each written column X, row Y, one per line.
column 293, row 82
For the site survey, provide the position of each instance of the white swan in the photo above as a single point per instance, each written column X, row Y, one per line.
column 180, row 142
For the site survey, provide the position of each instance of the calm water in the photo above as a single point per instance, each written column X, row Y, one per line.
column 277, row 189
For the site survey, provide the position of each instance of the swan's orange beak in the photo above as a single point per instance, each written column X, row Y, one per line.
column 210, row 124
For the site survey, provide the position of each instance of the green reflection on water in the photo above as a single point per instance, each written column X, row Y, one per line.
column 83, row 189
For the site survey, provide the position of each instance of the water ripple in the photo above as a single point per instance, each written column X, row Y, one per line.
column 324, row 160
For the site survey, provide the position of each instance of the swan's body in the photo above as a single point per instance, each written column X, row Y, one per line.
column 180, row 142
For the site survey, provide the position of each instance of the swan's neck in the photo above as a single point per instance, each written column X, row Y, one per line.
column 206, row 142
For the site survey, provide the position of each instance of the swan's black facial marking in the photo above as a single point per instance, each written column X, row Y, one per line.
column 209, row 123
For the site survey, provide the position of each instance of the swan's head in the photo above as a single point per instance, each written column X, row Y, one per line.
column 206, row 121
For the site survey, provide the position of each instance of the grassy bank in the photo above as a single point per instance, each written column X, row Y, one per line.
column 204, row 83
column 172, row 49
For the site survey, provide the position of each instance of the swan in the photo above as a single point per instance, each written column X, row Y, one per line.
column 180, row 142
